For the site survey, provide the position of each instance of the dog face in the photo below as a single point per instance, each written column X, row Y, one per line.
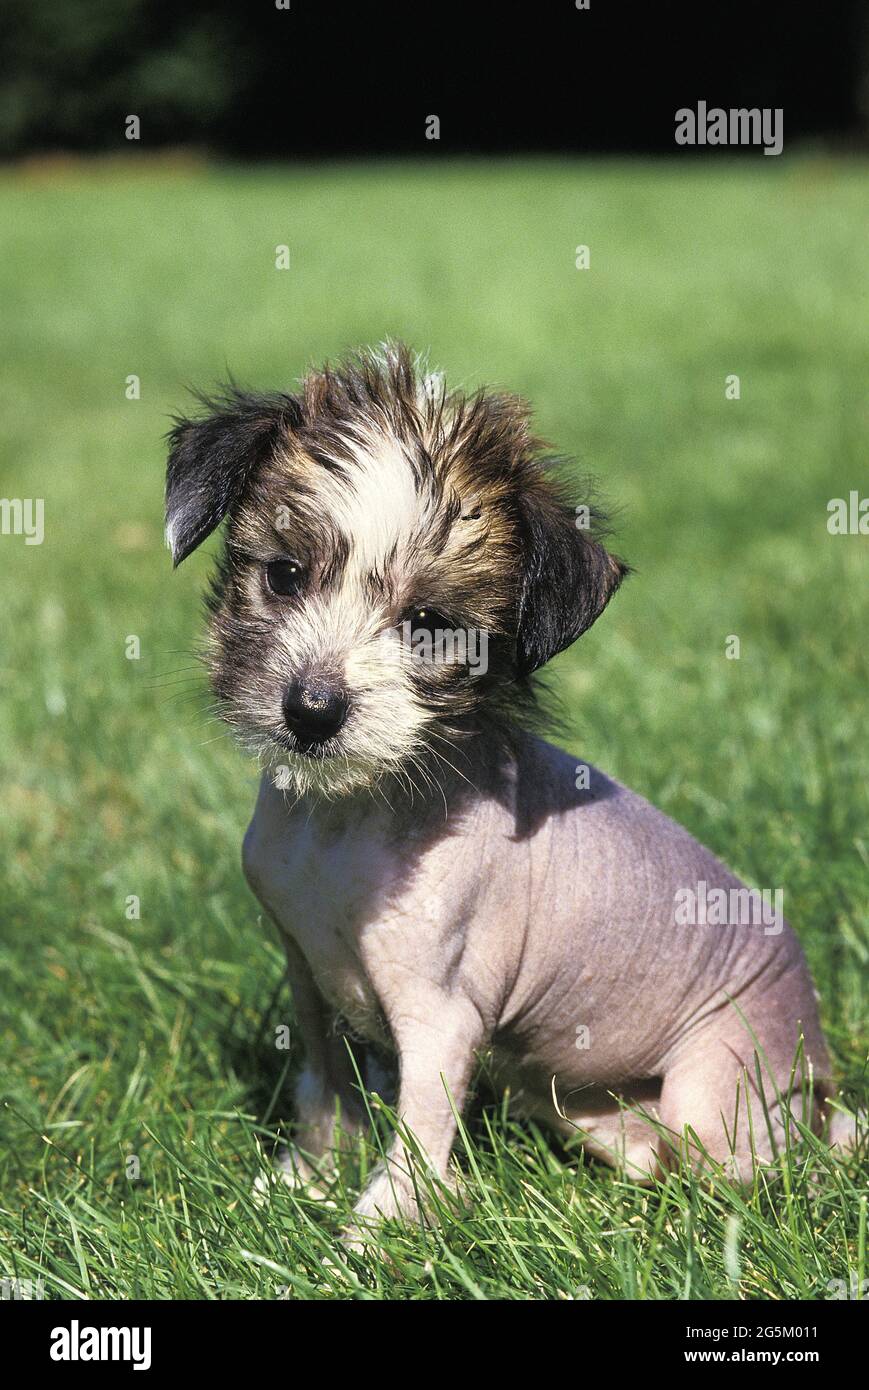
column 398, row 562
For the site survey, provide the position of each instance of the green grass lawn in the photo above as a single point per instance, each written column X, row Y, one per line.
column 152, row 1039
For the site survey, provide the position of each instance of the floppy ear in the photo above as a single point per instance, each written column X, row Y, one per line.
column 212, row 459
column 569, row 578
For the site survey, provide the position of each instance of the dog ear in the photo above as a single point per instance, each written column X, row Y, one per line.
column 212, row 459
column 568, row 577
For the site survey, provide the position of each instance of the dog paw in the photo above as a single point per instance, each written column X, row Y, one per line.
column 846, row 1129
column 291, row 1170
column 389, row 1195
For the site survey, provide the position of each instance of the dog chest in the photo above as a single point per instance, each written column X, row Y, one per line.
column 324, row 888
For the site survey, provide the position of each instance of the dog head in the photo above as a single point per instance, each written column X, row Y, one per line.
column 399, row 560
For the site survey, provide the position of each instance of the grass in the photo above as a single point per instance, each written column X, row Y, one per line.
column 152, row 1037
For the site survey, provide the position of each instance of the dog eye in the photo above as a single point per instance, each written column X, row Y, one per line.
column 284, row 576
column 426, row 620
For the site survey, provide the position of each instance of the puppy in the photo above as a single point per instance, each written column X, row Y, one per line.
column 446, row 883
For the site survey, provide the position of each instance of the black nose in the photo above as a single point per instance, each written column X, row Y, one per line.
column 314, row 712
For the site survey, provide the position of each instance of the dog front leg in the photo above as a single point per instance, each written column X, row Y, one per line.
column 437, row 1046
column 327, row 1104
column 324, row 1092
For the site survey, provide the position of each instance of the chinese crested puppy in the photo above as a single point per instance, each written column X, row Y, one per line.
column 399, row 562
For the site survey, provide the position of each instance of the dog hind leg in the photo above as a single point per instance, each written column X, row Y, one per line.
column 735, row 1090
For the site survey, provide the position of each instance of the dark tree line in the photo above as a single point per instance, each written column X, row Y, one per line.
column 345, row 76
